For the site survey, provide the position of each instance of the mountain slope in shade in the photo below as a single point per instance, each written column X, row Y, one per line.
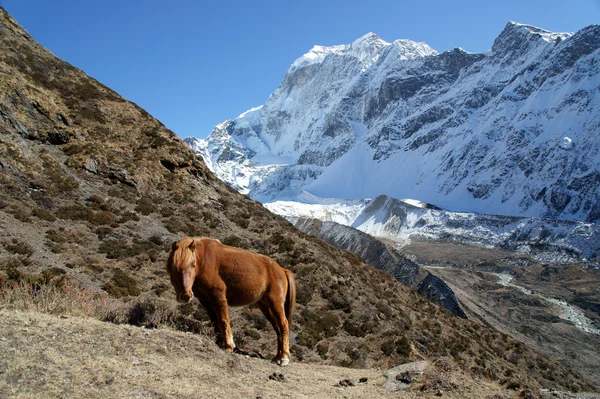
column 510, row 132
column 386, row 258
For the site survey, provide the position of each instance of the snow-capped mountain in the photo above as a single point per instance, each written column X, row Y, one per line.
column 513, row 131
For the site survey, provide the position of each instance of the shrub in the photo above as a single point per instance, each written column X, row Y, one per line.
column 256, row 317
column 145, row 206
column 123, row 191
column 121, row 249
column 20, row 213
column 242, row 219
column 233, row 241
column 61, row 181
column 157, row 239
column 19, row 247
column 66, row 296
column 80, row 212
column 318, row 325
column 73, row 212
column 167, row 211
column 57, row 236
column 103, row 231
column 127, row 216
column 13, row 273
column 283, row 243
column 97, row 202
column 43, row 214
column 101, row 218
column 121, row 285
column 357, row 329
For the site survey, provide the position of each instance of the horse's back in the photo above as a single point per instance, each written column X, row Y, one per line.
column 246, row 274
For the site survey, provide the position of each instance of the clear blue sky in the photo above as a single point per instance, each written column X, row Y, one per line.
column 194, row 64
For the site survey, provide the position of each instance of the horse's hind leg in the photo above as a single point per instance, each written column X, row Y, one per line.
column 277, row 311
column 264, row 308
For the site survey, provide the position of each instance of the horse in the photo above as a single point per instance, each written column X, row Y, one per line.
column 220, row 275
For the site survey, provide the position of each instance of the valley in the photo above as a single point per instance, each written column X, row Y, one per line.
column 523, row 305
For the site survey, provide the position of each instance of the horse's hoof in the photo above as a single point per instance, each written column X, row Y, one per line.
column 283, row 362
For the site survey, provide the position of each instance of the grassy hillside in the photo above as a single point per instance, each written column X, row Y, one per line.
column 93, row 190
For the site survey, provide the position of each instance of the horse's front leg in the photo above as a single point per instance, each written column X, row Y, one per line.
column 222, row 318
column 219, row 333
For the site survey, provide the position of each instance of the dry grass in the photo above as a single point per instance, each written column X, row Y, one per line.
column 68, row 298
column 50, row 357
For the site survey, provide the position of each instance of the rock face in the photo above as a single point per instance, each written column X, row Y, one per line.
column 386, row 258
column 479, row 132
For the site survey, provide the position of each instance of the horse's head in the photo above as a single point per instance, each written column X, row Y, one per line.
column 182, row 268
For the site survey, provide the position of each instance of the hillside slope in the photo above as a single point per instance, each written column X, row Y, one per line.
column 78, row 357
column 93, row 189
column 386, row 258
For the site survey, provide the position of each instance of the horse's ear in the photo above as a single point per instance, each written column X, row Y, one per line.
column 174, row 246
column 192, row 246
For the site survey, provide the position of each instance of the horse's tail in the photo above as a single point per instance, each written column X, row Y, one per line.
column 290, row 298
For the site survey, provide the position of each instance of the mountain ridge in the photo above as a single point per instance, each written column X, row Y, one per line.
column 479, row 132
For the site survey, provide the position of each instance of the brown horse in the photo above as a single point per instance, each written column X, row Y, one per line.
column 219, row 275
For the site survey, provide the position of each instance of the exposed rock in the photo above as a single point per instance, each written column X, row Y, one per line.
column 400, row 378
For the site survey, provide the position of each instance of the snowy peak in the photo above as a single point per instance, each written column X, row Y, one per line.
column 408, row 49
column 315, row 56
column 367, row 49
column 479, row 132
column 369, row 40
column 520, row 38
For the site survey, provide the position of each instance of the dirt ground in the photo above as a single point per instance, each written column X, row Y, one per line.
column 46, row 356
